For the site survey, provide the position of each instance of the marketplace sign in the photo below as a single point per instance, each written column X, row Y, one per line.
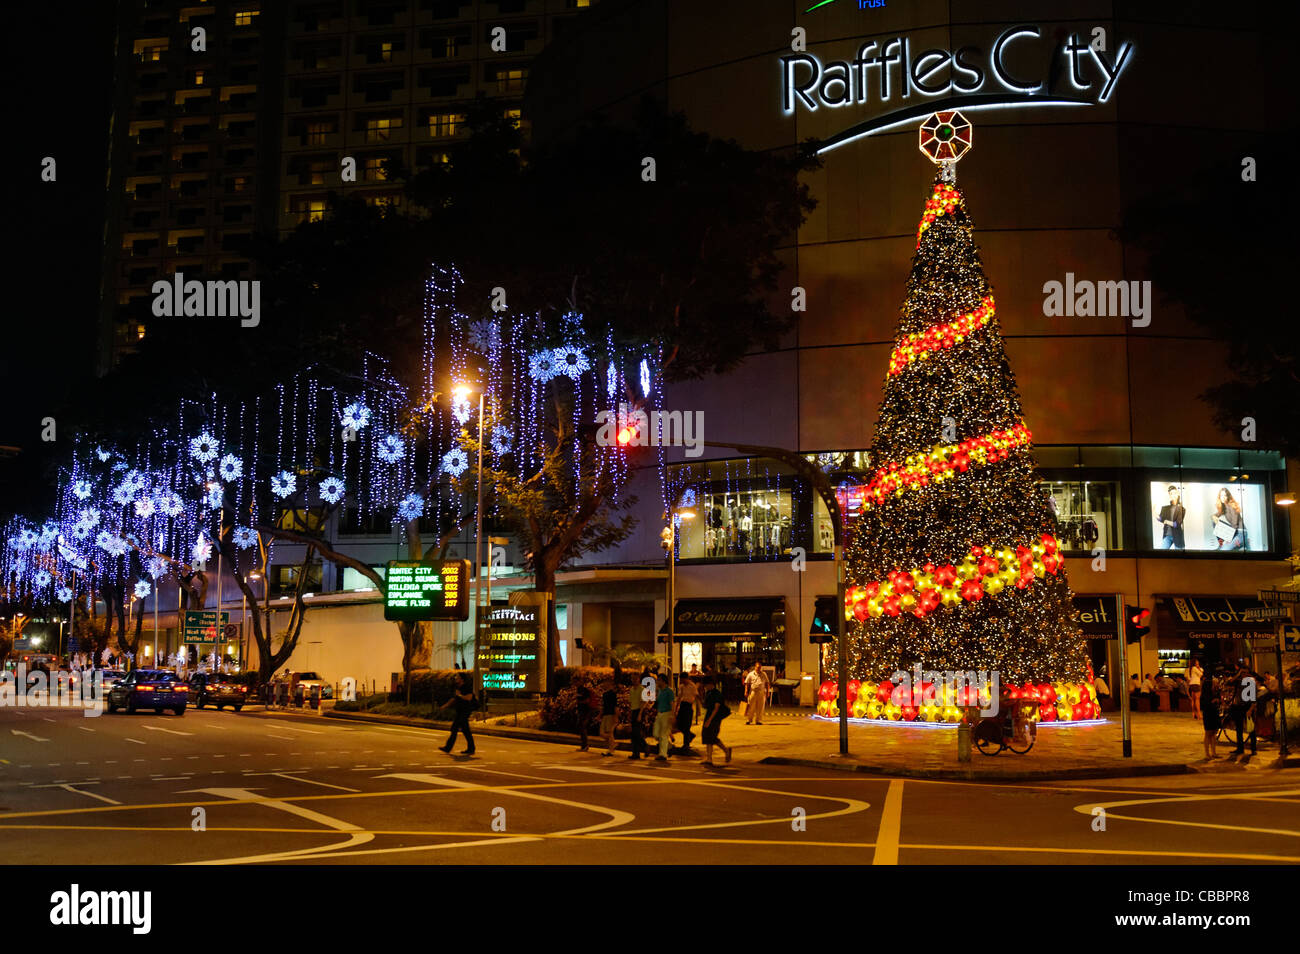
column 968, row 78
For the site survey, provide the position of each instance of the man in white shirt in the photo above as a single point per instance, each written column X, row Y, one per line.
column 756, row 688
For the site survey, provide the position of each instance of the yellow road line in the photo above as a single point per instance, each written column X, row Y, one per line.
column 891, row 823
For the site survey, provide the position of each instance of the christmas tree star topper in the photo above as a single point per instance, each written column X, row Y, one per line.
column 945, row 137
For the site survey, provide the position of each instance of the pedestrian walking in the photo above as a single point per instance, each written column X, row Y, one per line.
column 1244, row 689
column 1195, row 674
column 635, row 702
column 1103, row 690
column 464, row 703
column 686, row 702
column 715, row 710
column 608, row 716
column 584, row 697
column 756, row 689
column 1212, row 723
column 664, row 699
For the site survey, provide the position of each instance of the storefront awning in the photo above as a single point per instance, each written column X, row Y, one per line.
column 711, row 618
column 1212, row 616
column 1097, row 615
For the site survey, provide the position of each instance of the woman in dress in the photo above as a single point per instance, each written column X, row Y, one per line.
column 1229, row 525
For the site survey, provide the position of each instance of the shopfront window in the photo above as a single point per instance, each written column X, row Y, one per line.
column 1087, row 513
column 1228, row 515
column 738, row 525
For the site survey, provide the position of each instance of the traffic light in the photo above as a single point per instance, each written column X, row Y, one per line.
column 1137, row 623
column 825, row 624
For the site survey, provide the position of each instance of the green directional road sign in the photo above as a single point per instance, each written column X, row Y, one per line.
column 201, row 626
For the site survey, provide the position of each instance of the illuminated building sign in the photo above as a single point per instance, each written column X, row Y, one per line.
column 513, row 656
column 427, row 591
column 1077, row 73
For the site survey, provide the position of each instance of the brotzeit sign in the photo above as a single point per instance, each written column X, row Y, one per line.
column 1076, row 73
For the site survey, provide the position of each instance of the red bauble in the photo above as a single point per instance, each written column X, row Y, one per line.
column 988, row 566
column 945, row 575
column 861, row 613
column 909, row 713
column 1047, row 712
column 827, row 690
column 972, row 590
column 853, row 687
column 892, row 606
column 884, row 690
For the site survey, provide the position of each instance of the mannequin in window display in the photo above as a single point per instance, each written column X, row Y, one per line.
column 1089, row 531
column 1229, row 524
column 1171, row 519
column 710, row 541
column 746, row 526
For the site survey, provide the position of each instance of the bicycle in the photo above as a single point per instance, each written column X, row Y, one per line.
column 1010, row 731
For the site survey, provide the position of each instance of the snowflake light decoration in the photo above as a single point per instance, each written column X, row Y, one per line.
column 391, row 449
column 331, row 490
column 355, row 416
column 245, row 537
column 142, row 589
column 41, row 579
column 230, row 468
column 410, row 507
column 102, row 454
column 571, row 361
column 283, row 484
column 64, row 594
column 645, row 377
column 156, row 567
column 81, row 530
column 171, row 504
column 110, row 543
column 89, row 516
column 82, row 489
column 461, row 409
column 49, row 533
column 202, row 549
column 688, row 497
column 204, row 448
column 455, row 461
column 135, row 480
column 502, row 440
column 484, row 336
column 542, row 366
column 216, row 495
column 25, row 540
column 122, row 494
column 144, row 508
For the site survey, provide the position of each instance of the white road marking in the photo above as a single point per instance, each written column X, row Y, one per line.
column 34, row 738
column 616, row 816
column 136, row 741
column 536, row 778
column 295, row 728
column 158, row 728
column 1088, row 807
column 295, row 778
column 102, row 798
column 357, row 837
column 85, row 729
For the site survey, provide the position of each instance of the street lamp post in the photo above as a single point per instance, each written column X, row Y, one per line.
column 670, row 537
column 462, row 392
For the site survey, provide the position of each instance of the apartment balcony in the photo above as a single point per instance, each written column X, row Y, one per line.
column 297, row 143
column 314, row 99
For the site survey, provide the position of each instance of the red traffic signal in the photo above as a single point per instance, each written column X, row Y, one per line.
column 1137, row 623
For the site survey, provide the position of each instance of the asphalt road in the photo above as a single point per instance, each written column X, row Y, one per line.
column 124, row 789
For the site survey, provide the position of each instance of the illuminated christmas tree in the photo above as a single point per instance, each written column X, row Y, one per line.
column 953, row 564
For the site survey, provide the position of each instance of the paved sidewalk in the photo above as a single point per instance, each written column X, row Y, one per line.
column 1163, row 744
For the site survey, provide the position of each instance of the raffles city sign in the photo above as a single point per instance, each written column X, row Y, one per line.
column 1073, row 70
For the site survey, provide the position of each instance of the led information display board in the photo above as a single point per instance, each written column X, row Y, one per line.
column 427, row 591
column 513, row 657
column 201, row 625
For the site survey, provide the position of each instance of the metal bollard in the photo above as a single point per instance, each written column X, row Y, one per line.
column 963, row 734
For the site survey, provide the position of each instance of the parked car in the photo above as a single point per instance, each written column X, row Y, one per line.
column 301, row 683
column 216, row 689
column 149, row 689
